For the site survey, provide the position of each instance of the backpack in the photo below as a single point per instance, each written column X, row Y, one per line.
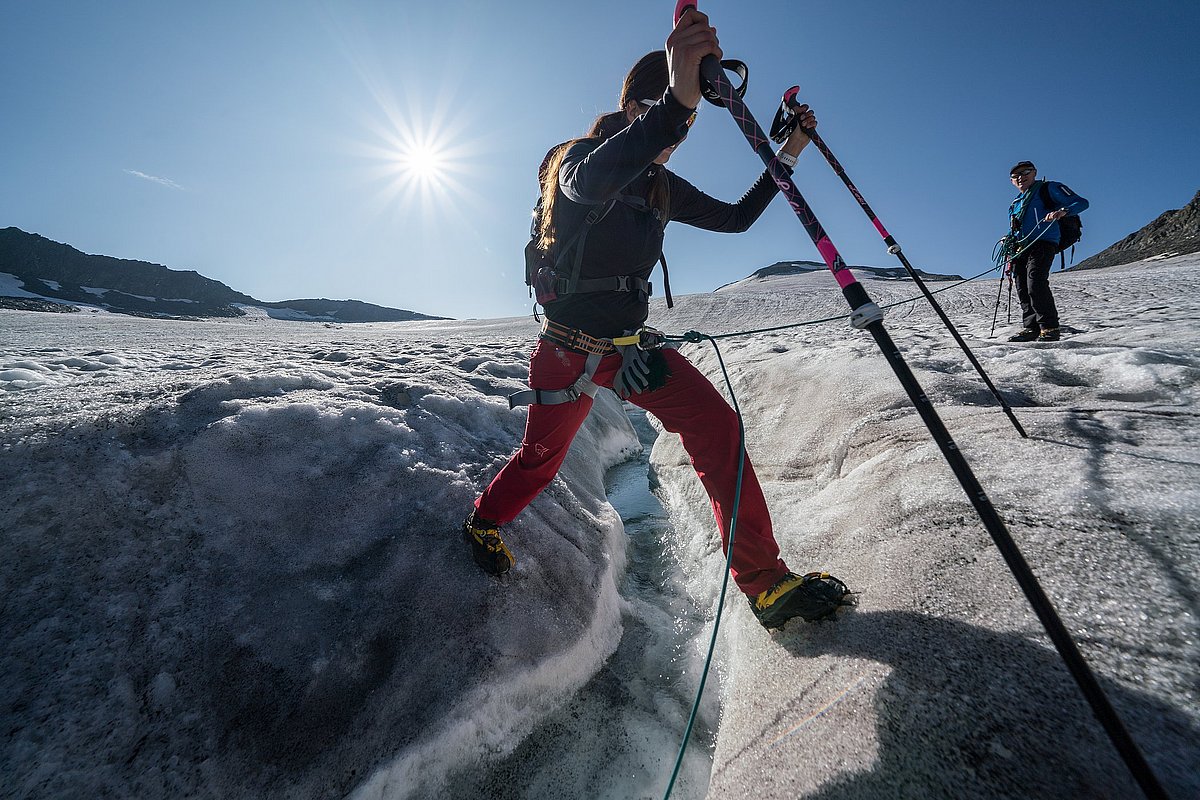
column 548, row 280
column 1070, row 228
column 541, row 268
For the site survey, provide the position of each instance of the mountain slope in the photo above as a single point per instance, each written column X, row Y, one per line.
column 1173, row 233
column 51, row 271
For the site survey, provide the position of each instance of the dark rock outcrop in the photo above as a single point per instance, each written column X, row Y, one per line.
column 1174, row 233
column 801, row 267
column 35, row 304
column 341, row 311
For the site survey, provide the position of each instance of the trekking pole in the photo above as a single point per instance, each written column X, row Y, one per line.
column 866, row 314
column 785, row 121
column 996, row 312
column 1001, row 254
column 1010, row 287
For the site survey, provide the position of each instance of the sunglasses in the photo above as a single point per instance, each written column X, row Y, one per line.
column 690, row 120
column 1020, row 174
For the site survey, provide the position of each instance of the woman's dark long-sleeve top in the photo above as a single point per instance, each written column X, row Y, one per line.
column 628, row 241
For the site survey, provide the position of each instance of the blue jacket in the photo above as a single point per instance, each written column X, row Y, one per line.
column 1029, row 210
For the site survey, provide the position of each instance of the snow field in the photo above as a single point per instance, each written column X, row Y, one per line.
column 232, row 565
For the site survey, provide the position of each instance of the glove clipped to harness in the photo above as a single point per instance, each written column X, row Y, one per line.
column 643, row 368
column 634, row 375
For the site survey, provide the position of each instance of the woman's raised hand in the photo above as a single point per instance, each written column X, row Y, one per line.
column 798, row 140
column 691, row 40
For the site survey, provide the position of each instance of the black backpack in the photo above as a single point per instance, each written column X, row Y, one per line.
column 544, row 273
column 1070, row 228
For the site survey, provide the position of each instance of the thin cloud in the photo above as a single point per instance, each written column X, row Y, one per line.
column 155, row 179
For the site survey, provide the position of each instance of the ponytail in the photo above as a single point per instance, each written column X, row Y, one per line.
column 605, row 126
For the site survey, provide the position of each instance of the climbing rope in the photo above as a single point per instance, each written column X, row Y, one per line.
column 1000, row 253
column 695, row 336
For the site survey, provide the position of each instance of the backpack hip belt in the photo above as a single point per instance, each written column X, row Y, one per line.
column 616, row 283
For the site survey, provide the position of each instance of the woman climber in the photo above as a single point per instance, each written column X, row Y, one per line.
column 604, row 201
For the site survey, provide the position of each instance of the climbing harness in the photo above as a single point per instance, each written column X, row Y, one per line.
column 583, row 385
column 596, row 348
column 575, row 339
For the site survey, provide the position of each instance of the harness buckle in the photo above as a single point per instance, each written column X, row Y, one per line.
column 645, row 338
column 622, row 283
column 651, row 339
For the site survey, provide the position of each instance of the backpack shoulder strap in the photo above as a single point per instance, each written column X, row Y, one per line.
column 578, row 240
column 1047, row 201
column 641, row 205
column 572, row 282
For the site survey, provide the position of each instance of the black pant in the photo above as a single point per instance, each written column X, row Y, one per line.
column 1031, row 273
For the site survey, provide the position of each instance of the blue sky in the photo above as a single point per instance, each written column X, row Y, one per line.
column 269, row 145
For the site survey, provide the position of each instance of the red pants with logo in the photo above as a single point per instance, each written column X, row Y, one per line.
column 688, row 405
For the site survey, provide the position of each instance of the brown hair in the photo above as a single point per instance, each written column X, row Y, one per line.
column 647, row 80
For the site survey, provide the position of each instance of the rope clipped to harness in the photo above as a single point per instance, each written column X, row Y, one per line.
column 643, row 368
column 644, row 338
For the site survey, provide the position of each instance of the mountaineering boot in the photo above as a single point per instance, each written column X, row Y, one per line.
column 488, row 549
column 1049, row 335
column 1025, row 335
column 813, row 596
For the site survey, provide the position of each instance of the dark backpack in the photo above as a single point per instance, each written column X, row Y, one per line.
column 542, row 274
column 1070, row 228
column 545, row 274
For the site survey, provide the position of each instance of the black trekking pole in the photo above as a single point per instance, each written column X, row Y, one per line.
column 996, row 311
column 866, row 314
column 1002, row 256
column 785, row 121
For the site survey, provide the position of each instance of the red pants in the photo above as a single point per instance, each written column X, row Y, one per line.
column 688, row 405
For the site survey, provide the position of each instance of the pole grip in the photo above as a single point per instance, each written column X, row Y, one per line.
column 711, row 68
column 710, row 65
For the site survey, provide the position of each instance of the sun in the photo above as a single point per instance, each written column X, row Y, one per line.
column 419, row 161
column 420, row 152
column 423, row 162
column 417, row 144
